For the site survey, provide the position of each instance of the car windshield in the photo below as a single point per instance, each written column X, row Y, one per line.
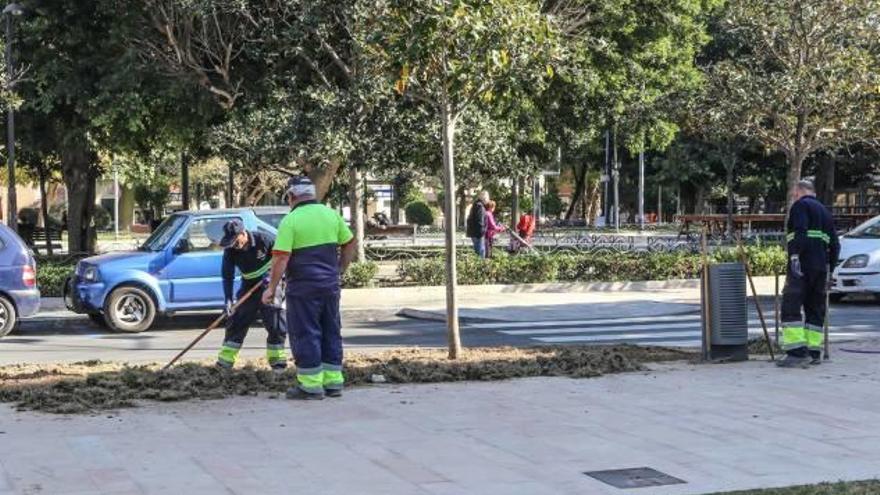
column 867, row 230
column 273, row 219
column 163, row 233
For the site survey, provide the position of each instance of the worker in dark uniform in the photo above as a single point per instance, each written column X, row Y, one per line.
column 813, row 249
column 314, row 247
column 251, row 254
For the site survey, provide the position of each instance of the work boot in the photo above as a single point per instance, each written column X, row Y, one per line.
column 296, row 393
column 333, row 392
column 790, row 361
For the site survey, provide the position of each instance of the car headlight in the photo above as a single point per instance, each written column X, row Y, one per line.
column 90, row 274
column 857, row 261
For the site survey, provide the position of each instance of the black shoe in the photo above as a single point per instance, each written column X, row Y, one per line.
column 296, row 393
column 816, row 361
column 793, row 362
column 333, row 392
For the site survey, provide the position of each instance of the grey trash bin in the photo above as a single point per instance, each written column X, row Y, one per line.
column 727, row 313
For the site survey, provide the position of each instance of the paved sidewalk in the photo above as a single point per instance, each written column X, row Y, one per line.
column 717, row 427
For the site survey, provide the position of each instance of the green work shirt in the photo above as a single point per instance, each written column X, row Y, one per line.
column 312, row 233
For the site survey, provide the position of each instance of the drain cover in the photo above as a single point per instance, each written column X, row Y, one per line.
column 634, row 477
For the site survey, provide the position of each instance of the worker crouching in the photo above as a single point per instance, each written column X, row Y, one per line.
column 251, row 253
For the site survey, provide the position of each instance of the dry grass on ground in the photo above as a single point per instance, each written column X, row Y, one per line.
column 92, row 386
column 850, row 488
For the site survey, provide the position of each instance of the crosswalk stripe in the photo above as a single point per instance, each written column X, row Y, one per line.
column 552, row 323
column 610, row 329
column 650, row 338
column 631, row 336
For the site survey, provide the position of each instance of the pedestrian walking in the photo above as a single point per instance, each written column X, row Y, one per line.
column 493, row 228
column 477, row 225
column 251, row 253
column 314, row 247
column 813, row 249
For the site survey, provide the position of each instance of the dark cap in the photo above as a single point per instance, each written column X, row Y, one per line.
column 230, row 232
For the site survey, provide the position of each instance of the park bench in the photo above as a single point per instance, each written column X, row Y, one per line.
column 378, row 232
column 40, row 236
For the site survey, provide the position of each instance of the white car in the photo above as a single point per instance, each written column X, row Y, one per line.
column 858, row 269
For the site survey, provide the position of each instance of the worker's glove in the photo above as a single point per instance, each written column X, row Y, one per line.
column 795, row 266
column 229, row 308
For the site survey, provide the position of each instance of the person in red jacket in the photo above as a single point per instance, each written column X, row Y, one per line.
column 526, row 227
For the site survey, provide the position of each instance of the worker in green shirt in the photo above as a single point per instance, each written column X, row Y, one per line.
column 314, row 247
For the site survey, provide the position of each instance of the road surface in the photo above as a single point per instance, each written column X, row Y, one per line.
column 62, row 336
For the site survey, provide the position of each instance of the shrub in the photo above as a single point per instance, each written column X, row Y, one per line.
column 360, row 274
column 102, row 218
column 422, row 271
column 51, row 277
column 584, row 267
column 419, row 213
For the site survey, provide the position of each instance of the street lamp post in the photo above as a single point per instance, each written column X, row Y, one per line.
column 12, row 9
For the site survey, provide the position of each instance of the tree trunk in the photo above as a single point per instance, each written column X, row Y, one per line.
column 44, row 207
column 795, row 163
column 356, row 204
column 825, row 179
column 126, row 208
column 184, row 181
column 448, row 130
column 230, row 188
column 579, row 181
column 729, row 167
column 641, row 190
column 323, row 177
column 514, row 207
column 462, row 199
column 592, row 201
column 396, row 185
column 77, row 164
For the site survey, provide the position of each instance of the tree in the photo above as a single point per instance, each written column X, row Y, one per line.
column 452, row 55
column 628, row 64
column 805, row 75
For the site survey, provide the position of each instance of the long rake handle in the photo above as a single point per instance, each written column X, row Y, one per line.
column 212, row 326
column 745, row 261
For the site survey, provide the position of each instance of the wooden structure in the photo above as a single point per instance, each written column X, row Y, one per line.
column 716, row 224
column 384, row 232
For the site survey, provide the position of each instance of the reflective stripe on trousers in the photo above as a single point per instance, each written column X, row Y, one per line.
column 311, row 380
column 333, row 377
column 228, row 354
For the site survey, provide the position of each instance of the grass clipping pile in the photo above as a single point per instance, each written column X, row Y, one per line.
column 92, row 386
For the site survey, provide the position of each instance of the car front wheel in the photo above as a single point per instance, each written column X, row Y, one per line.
column 7, row 316
column 130, row 310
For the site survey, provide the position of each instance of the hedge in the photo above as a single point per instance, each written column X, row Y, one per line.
column 586, row 267
column 360, row 275
column 51, row 274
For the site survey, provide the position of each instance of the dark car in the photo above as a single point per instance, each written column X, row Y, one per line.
column 19, row 295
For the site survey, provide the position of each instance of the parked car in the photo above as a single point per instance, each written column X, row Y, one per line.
column 176, row 269
column 19, row 295
column 858, row 270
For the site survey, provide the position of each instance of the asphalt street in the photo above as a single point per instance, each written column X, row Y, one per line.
column 59, row 336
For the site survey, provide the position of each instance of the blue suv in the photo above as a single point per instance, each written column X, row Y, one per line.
column 176, row 269
column 19, row 295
